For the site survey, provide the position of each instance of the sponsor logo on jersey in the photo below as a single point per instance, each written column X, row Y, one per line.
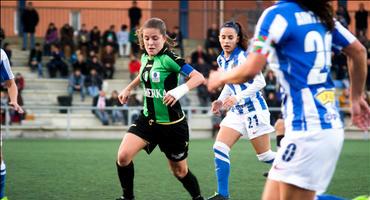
column 156, row 77
column 154, row 93
column 325, row 97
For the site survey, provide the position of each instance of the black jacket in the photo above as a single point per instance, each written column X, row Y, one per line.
column 30, row 19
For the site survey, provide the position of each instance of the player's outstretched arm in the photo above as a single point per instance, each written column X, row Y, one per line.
column 13, row 95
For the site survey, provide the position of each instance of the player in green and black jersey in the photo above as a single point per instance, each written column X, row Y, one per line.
column 162, row 121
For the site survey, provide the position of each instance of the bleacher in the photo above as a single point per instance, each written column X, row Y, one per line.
column 43, row 92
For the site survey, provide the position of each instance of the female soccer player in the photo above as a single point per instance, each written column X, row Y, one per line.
column 162, row 121
column 7, row 77
column 248, row 112
column 296, row 38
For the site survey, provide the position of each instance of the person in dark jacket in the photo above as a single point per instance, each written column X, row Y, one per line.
column 2, row 36
column 93, row 83
column 35, row 59
column 29, row 19
column 134, row 14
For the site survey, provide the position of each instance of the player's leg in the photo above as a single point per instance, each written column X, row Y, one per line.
column 131, row 144
column 2, row 179
column 261, row 145
column 181, row 171
column 271, row 190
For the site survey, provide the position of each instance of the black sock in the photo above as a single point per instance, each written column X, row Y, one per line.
column 190, row 183
column 278, row 140
column 126, row 177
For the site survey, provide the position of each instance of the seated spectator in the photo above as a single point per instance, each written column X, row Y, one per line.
column 81, row 65
column 95, row 64
column 93, row 83
column 4, row 100
column 344, row 103
column 56, row 63
column 199, row 53
column 202, row 92
column 101, row 102
column 95, row 35
column 108, row 60
column 123, row 41
column 132, row 101
column 271, row 83
column 135, row 48
column 35, row 60
column 8, row 52
column 110, row 38
column 212, row 37
column 51, row 36
column 19, row 81
column 83, row 39
column 66, row 40
column 134, row 67
column 76, row 83
column 273, row 102
column 176, row 35
column 340, row 70
column 117, row 115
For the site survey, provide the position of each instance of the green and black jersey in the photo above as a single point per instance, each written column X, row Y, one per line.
column 158, row 74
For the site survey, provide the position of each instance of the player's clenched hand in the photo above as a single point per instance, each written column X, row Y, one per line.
column 216, row 106
column 16, row 107
column 169, row 100
column 360, row 114
column 229, row 102
column 123, row 96
column 214, row 80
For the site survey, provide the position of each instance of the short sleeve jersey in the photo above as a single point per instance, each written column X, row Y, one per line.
column 298, row 48
column 6, row 72
column 159, row 74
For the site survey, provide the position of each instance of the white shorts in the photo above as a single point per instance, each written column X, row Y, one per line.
column 308, row 160
column 254, row 124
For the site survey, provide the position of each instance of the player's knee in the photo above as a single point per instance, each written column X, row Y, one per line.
column 178, row 171
column 267, row 157
column 221, row 148
column 279, row 127
column 123, row 159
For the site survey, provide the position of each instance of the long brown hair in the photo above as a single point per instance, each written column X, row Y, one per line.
column 322, row 8
column 157, row 24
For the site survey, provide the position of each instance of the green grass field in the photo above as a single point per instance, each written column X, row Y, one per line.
column 85, row 169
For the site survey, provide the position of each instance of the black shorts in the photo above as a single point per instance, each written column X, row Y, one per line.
column 172, row 139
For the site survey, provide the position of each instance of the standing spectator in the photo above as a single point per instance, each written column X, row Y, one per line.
column 76, row 83
column 134, row 67
column 273, row 102
column 123, row 41
column 176, row 35
column 110, row 38
column 51, row 36
column 2, row 36
column 117, row 115
column 95, row 35
column 66, row 40
column 35, row 60
column 199, row 53
column 108, row 60
column 361, row 20
column 100, row 102
column 29, row 19
column 83, row 39
column 93, row 83
column 271, row 83
column 212, row 37
column 202, row 92
column 8, row 52
column 343, row 16
column 134, row 14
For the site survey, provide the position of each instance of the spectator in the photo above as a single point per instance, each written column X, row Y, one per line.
column 273, row 102
column 19, row 81
column 344, row 103
column 108, row 60
column 95, row 36
column 76, row 83
column 83, row 39
column 341, row 79
column 123, row 41
column 2, row 36
column 134, row 14
column 134, row 67
column 51, row 36
column 271, row 83
column 100, row 102
column 66, row 40
column 56, row 63
column 199, row 53
column 176, row 35
column 35, row 60
column 4, row 99
column 117, row 115
column 361, row 20
column 202, row 92
column 81, row 65
column 343, row 16
column 133, row 102
column 95, row 64
column 8, row 52
column 212, row 37
column 135, row 48
column 110, row 38
column 29, row 19
column 212, row 57
column 93, row 83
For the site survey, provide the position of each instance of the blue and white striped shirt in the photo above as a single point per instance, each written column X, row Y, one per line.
column 298, row 48
column 248, row 94
column 6, row 72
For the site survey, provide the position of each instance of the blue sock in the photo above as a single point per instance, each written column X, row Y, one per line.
column 222, row 164
column 2, row 179
column 328, row 197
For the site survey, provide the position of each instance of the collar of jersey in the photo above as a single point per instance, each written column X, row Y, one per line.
column 235, row 52
column 164, row 49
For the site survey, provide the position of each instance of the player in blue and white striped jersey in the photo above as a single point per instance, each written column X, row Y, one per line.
column 296, row 38
column 7, row 76
column 248, row 112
